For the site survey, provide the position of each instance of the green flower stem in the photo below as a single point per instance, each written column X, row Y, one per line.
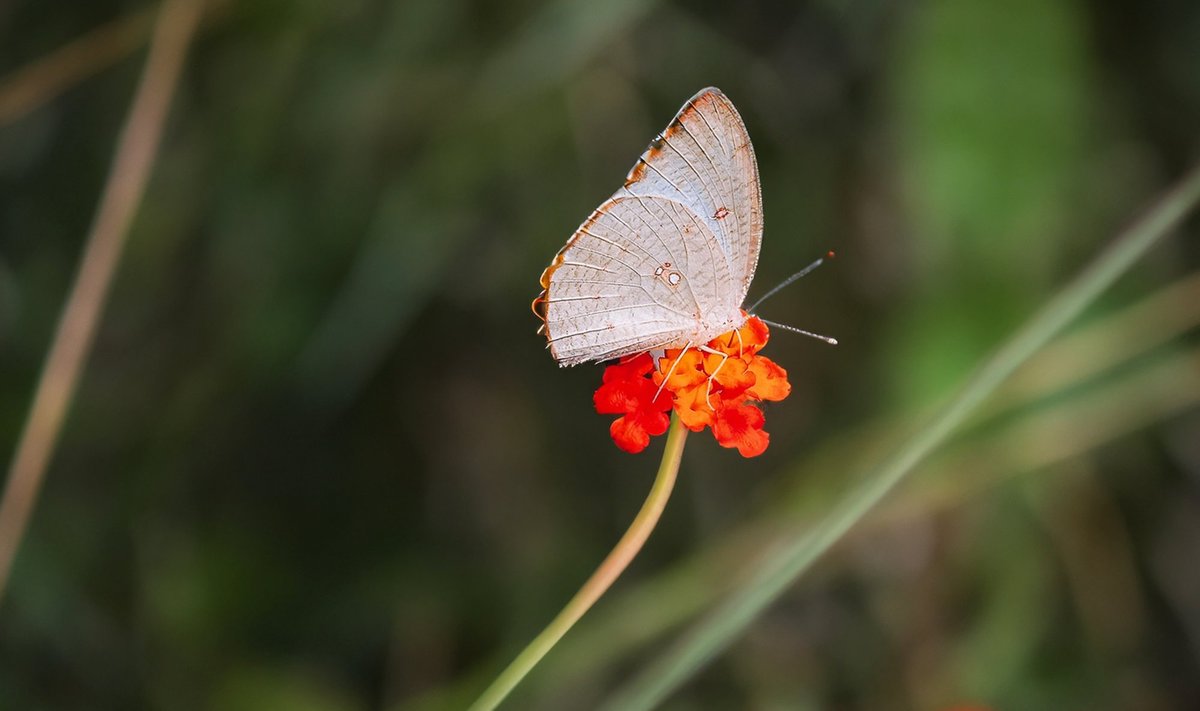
column 782, row 565
column 601, row 580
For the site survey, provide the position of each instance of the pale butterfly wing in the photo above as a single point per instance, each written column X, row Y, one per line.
column 704, row 159
column 628, row 283
column 667, row 260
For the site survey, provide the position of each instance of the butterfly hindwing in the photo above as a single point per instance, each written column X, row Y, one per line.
column 625, row 283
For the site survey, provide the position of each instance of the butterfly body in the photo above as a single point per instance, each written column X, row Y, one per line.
column 668, row 259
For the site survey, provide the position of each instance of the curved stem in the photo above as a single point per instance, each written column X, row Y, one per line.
column 601, row 580
column 782, row 565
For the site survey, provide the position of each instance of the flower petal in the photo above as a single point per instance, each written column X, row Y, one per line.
column 745, row 341
column 704, row 389
column 626, row 389
column 770, row 380
column 692, row 408
column 615, row 398
column 628, row 370
column 732, row 374
column 741, row 426
column 655, row 423
column 687, row 372
column 633, row 431
column 629, row 435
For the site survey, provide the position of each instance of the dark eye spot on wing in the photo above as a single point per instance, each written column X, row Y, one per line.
column 721, row 213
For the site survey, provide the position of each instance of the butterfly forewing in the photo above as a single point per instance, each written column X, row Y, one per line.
column 668, row 259
column 704, row 159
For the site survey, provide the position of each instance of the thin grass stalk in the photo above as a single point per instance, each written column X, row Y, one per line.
column 783, row 564
column 123, row 191
column 670, row 597
column 32, row 86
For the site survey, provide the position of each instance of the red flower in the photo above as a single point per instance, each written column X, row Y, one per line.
column 741, row 426
column 713, row 388
column 627, row 392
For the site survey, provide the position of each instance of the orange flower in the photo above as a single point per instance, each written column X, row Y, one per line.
column 714, row 387
column 770, row 380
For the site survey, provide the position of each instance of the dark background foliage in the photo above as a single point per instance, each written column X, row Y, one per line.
column 320, row 459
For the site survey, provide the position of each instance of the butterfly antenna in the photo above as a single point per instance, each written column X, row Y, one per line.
column 793, row 329
column 789, row 280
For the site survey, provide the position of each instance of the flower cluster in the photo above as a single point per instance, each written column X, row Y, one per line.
column 711, row 387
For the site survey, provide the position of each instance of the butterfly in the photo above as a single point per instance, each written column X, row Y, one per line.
column 666, row 262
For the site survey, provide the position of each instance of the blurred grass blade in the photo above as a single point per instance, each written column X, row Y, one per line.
column 135, row 154
column 26, row 89
column 781, row 566
column 34, row 85
column 1075, row 416
column 1130, row 401
column 1116, row 339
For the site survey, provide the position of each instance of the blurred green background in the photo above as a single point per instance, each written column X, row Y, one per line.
column 320, row 460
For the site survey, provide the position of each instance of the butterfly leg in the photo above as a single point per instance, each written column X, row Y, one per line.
column 672, row 369
column 724, row 357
